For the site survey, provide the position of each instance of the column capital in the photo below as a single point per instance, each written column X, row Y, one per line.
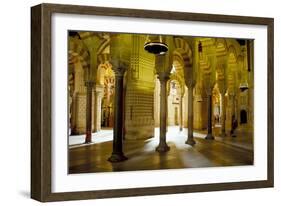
column 99, row 89
column 181, row 95
column 163, row 77
column 222, row 91
column 209, row 90
column 119, row 72
column 231, row 94
column 89, row 83
column 190, row 83
column 163, row 63
column 221, row 57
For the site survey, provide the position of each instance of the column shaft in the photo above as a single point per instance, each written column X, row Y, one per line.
column 180, row 105
column 209, row 102
column 190, row 139
column 95, row 129
column 117, row 153
column 233, row 106
column 89, row 86
column 163, row 147
column 233, row 115
column 223, row 115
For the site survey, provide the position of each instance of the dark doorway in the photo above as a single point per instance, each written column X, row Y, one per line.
column 243, row 116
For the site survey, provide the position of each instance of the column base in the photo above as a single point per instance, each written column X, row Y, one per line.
column 73, row 132
column 162, row 147
column 88, row 140
column 190, row 141
column 117, row 157
column 209, row 137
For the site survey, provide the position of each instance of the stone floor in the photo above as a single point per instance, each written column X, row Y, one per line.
column 228, row 151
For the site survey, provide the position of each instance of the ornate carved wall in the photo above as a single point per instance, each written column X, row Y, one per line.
column 139, row 93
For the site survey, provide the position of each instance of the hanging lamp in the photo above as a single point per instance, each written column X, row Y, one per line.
column 155, row 44
column 243, row 86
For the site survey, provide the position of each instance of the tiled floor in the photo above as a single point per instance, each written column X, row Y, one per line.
column 141, row 154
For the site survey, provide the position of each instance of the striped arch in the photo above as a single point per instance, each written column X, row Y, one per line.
column 103, row 58
column 103, row 36
column 205, row 65
column 221, row 45
column 104, row 64
column 220, row 74
column 103, row 69
column 232, row 55
column 77, row 50
column 85, row 34
column 178, row 62
column 222, row 60
column 185, row 51
column 240, row 59
column 104, row 45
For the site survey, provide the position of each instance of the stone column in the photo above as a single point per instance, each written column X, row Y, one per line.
column 222, row 81
column 100, row 95
column 117, row 153
column 163, row 78
column 209, row 106
column 96, row 110
column 181, row 111
column 223, row 134
column 233, row 105
column 89, row 86
column 190, row 139
column 232, row 113
column 236, row 108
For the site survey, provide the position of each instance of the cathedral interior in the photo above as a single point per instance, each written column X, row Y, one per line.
column 146, row 102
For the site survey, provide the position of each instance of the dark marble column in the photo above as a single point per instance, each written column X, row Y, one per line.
column 190, row 139
column 163, row 78
column 117, row 153
column 233, row 116
column 209, row 106
column 89, row 87
column 95, row 129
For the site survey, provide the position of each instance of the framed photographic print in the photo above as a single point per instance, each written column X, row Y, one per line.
column 130, row 102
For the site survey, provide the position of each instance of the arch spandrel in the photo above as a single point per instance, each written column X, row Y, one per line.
column 183, row 54
column 79, row 52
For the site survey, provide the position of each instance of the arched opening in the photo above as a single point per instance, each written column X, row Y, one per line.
column 174, row 103
column 107, row 101
column 77, row 71
column 243, row 116
column 216, row 117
